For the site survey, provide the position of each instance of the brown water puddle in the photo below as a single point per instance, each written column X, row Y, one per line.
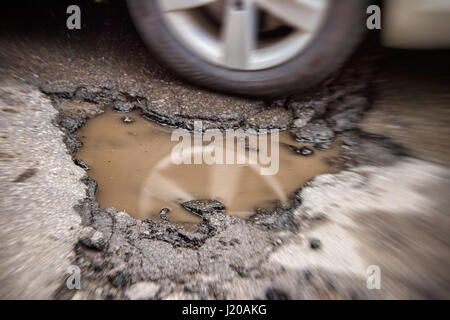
column 131, row 163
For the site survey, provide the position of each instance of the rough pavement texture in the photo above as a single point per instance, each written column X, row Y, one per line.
column 384, row 209
column 368, row 222
column 39, row 186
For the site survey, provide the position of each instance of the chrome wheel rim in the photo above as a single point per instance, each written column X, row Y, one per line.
column 236, row 42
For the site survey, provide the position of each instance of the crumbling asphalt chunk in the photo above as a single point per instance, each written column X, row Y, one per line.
column 316, row 132
column 203, row 208
column 92, row 186
column 308, row 106
column 72, row 143
column 81, row 163
column 70, row 122
column 93, row 239
column 303, row 116
column 221, row 112
column 315, row 243
column 278, row 220
column 175, row 235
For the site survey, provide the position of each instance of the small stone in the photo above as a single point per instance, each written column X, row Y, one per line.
column 127, row 119
column 163, row 213
column 203, row 208
column 315, row 243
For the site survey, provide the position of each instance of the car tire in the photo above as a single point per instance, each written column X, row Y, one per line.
column 336, row 40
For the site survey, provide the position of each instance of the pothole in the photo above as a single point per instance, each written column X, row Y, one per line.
column 130, row 158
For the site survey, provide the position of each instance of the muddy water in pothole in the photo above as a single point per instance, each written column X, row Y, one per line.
column 132, row 164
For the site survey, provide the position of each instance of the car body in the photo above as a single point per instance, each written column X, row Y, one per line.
column 416, row 24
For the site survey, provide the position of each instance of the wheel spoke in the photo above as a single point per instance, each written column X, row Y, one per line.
column 239, row 33
column 174, row 5
column 301, row 14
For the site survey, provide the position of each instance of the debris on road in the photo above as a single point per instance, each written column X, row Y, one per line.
column 163, row 213
column 127, row 119
column 203, row 208
column 315, row 243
